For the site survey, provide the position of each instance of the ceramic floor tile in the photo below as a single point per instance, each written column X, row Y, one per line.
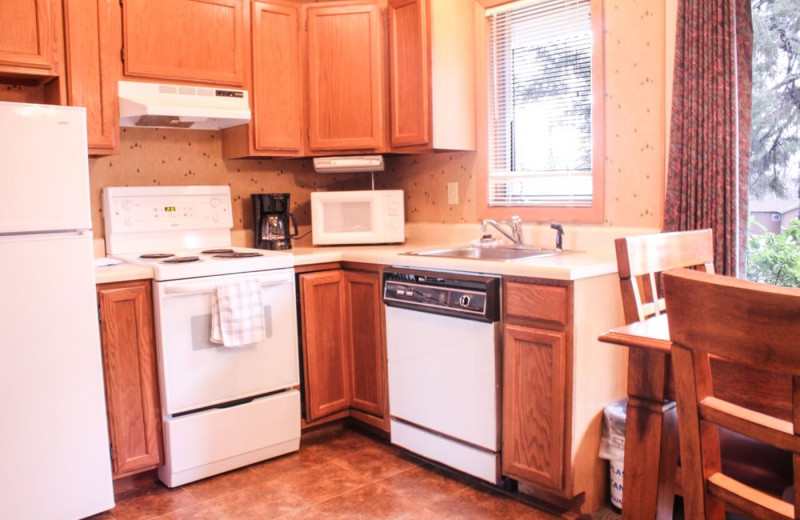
column 220, row 484
column 321, row 482
column 150, row 502
column 375, row 462
column 258, row 502
column 193, row 512
column 424, row 484
column 368, row 502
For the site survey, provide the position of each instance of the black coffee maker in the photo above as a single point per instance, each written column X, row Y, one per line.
column 271, row 219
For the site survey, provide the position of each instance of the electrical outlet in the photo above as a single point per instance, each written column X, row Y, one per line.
column 452, row 192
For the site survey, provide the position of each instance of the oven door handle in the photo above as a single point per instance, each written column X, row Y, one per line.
column 209, row 287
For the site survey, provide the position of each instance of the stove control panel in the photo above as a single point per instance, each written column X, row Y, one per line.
column 143, row 217
column 162, row 208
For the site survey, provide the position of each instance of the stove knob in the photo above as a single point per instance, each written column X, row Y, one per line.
column 464, row 300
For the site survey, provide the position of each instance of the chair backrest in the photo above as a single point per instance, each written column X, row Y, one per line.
column 744, row 323
column 641, row 260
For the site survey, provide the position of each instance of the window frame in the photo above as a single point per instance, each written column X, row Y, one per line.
column 591, row 214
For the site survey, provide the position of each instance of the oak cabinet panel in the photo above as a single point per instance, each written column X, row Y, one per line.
column 93, row 69
column 533, row 405
column 276, row 93
column 432, row 75
column 187, row 40
column 345, row 77
column 365, row 328
column 325, row 357
column 129, row 364
column 343, row 346
column 29, row 40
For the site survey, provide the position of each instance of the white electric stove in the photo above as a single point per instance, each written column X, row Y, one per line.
column 222, row 407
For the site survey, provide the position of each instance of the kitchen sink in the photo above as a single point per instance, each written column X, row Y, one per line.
column 497, row 254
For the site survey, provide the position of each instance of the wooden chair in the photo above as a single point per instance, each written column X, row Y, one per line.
column 746, row 324
column 641, row 259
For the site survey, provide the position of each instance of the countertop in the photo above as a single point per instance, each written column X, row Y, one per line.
column 589, row 253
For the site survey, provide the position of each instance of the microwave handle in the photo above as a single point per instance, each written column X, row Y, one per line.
column 208, row 287
column 294, row 223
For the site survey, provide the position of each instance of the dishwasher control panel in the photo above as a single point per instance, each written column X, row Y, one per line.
column 460, row 295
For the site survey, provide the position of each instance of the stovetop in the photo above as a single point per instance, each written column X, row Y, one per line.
column 194, row 263
column 180, row 232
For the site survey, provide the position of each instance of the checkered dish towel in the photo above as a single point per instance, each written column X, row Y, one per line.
column 237, row 314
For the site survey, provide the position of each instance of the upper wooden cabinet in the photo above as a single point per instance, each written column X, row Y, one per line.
column 317, row 81
column 93, row 68
column 198, row 41
column 276, row 86
column 30, row 38
column 432, row 75
column 345, row 77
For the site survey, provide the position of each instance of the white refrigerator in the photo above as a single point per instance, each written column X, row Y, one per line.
column 54, row 452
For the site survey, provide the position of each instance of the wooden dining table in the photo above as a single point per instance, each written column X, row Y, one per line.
column 651, row 432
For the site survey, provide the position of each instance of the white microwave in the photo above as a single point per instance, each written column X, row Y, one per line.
column 357, row 217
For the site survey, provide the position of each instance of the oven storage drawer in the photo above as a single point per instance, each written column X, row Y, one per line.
column 210, row 442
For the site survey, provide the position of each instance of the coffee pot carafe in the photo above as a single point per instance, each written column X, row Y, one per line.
column 271, row 218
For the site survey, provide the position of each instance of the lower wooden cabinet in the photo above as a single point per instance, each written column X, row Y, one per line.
column 129, row 365
column 343, row 347
column 557, row 379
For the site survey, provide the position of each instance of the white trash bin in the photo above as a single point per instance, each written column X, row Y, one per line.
column 612, row 447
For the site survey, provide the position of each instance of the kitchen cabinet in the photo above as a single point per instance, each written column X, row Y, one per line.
column 324, row 352
column 198, row 41
column 30, row 42
column 432, row 75
column 343, row 346
column 277, row 126
column 364, row 323
column 93, row 68
column 129, row 365
column 345, row 77
column 557, row 379
column 318, row 83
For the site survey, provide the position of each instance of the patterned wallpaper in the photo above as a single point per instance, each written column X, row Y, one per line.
column 634, row 140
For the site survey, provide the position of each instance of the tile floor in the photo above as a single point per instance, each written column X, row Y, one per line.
column 340, row 474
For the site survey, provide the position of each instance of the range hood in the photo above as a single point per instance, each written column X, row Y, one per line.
column 362, row 163
column 158, row 105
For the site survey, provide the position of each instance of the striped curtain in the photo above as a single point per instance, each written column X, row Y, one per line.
column 710, row 136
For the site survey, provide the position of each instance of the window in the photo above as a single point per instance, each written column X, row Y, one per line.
column 545, row 103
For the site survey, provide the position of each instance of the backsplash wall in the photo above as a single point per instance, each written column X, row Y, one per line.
column 635, row 142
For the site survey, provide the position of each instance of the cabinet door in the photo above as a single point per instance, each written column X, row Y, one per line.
column 28, row 39
column 93, row 69
column 277, row 81
column 409, row 72
column 129, row 363
column 364, row 326
column 189, row 40
column 346, row 78
column 534, row 397
column 325, row 357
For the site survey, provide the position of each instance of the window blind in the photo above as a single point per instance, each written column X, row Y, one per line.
column 540, row 79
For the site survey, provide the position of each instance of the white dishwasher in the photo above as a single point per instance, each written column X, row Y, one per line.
column 442, row 336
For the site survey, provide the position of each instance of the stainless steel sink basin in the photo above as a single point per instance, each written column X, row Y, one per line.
column 497, row 254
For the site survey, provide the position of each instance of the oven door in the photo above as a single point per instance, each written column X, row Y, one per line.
column 196, row 373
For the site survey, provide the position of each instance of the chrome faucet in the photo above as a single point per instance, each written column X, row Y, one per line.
column 515, row 225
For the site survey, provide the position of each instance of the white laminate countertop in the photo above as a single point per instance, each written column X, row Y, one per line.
column 590, row 252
